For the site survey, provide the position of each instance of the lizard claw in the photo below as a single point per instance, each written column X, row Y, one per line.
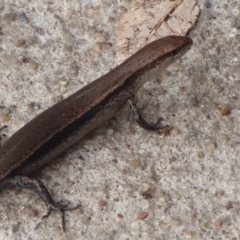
column 61, row 208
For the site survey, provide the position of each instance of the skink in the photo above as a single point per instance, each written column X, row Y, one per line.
column 65, row 123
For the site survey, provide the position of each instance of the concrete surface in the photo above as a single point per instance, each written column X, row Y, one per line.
column 186, row 185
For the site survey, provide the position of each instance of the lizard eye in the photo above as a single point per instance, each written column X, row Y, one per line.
column 175, row 52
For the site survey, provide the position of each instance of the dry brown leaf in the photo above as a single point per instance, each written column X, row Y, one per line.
column 149, row 20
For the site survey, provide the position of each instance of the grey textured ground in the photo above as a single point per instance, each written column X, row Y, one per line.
column 187, row 183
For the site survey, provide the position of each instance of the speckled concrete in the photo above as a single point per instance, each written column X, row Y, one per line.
column 186, row 184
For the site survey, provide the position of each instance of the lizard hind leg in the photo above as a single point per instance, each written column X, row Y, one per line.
column 39, row 187
column 2, row 135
